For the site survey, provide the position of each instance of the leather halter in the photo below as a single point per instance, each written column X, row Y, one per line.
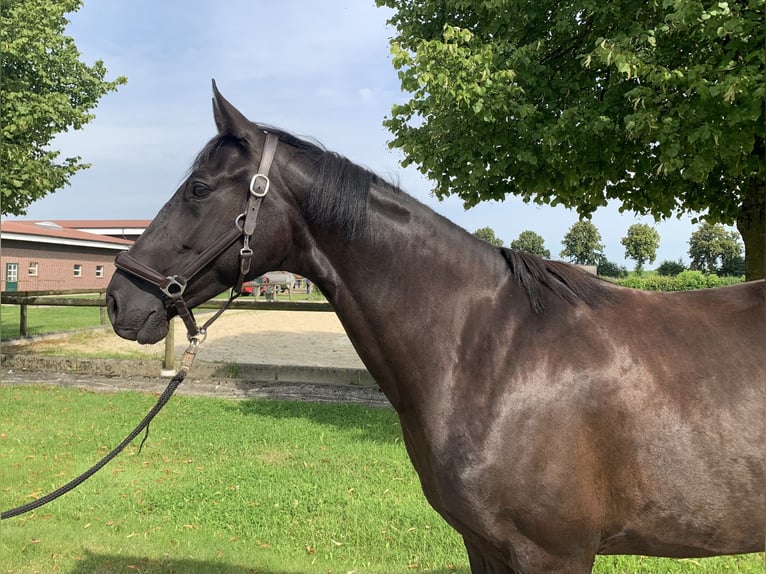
column 173, row 286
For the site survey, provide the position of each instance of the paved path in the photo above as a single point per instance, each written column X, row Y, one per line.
column 220, row 388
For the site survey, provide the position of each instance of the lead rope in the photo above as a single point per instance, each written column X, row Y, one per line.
column 187, row 361
column 186, row 364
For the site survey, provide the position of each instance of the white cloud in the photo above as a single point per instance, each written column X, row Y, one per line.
column 320, row 69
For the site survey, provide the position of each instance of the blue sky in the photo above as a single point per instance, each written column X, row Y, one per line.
column 318, row 69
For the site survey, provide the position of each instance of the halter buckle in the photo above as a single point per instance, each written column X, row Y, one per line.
column 254, row 186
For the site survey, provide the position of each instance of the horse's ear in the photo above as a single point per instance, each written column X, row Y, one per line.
column 229, row 119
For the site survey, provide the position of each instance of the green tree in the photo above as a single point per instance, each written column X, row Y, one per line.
column 531, row 242
column 712, row 247
column 671, row 268
column 488, row 234
column 582, row 244
column 732, row 267
column 46, row 90
column 610, row 269
column 641, row 244
column 656, row 105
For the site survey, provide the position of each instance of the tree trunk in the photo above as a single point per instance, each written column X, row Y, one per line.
column 751, row 224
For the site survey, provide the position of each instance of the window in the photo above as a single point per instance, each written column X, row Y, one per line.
column 77, row 270
column 12, row 272
column 99, row 270
column 32, row 269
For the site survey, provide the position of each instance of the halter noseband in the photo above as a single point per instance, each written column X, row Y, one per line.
column 173, row 286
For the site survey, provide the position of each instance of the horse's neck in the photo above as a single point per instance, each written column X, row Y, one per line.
column 402, row 291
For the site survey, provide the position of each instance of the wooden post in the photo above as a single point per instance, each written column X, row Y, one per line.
column 102, row 308
column 22, row 320
column 168, row 363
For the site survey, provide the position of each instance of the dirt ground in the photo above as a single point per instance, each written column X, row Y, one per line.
column 302, row 338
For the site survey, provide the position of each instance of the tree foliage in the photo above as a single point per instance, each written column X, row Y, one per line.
column 608, row 268
column 656, row 105
column 671, row 268
column 488, row 234
column 641, row 244
column 713, row 248
column 582, row 244
column 531, row 242
column 46, row 90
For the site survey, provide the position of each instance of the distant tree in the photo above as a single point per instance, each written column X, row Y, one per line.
column 610, row 269
column 732, row 267
column 641, row 244
column 671, row 268
column 711, row 245
column 46, row 90
column 488, row 234
column 531, row 242
column 582, row 244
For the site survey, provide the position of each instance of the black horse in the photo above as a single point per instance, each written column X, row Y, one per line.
column 550, row 416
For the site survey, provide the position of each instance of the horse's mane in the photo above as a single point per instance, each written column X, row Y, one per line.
column 339, row 194
column 338, row 200
column 536, row 275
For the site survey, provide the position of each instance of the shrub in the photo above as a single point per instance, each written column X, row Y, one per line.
column 731, row 280
column 634, row 282
column 611, row 269
column 684, row 281
column 660, row 283
column 671, row 268
column 688, row 280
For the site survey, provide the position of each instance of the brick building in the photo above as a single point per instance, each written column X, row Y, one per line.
column 57, row 255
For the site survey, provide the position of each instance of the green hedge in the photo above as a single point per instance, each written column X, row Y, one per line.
column 684, row 281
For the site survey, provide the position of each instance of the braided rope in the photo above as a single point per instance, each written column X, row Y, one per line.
column 144, row 424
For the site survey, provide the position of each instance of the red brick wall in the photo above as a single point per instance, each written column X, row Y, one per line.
column 55, row 265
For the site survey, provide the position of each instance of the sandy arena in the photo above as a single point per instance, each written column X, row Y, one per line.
column 302, row 338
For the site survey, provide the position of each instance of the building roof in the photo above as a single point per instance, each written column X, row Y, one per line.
column 90, row 223
column 125, row 228
column 53, row 232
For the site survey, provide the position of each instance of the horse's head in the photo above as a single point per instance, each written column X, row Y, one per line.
column 221, row 211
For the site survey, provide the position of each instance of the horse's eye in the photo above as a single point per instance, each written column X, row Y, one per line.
column 199, row 191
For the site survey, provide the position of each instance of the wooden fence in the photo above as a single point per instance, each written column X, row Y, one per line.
column 25, row 299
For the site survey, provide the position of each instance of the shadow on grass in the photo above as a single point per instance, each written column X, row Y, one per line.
column 365, row 423
column 114, row 564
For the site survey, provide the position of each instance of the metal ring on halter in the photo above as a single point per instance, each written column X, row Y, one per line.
column 197, row 339
column 239, row 224
column 175, row 288
column 265, row 189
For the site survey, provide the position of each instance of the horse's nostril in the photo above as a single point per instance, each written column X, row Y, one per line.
column 111, row 307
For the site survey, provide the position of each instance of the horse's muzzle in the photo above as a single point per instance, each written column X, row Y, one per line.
column 136, row 309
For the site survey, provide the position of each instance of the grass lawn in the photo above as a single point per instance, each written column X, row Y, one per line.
column 229, row 487
column 41, row 320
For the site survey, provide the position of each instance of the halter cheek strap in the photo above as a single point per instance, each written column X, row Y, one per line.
column 259, row 187
column 173, row 286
